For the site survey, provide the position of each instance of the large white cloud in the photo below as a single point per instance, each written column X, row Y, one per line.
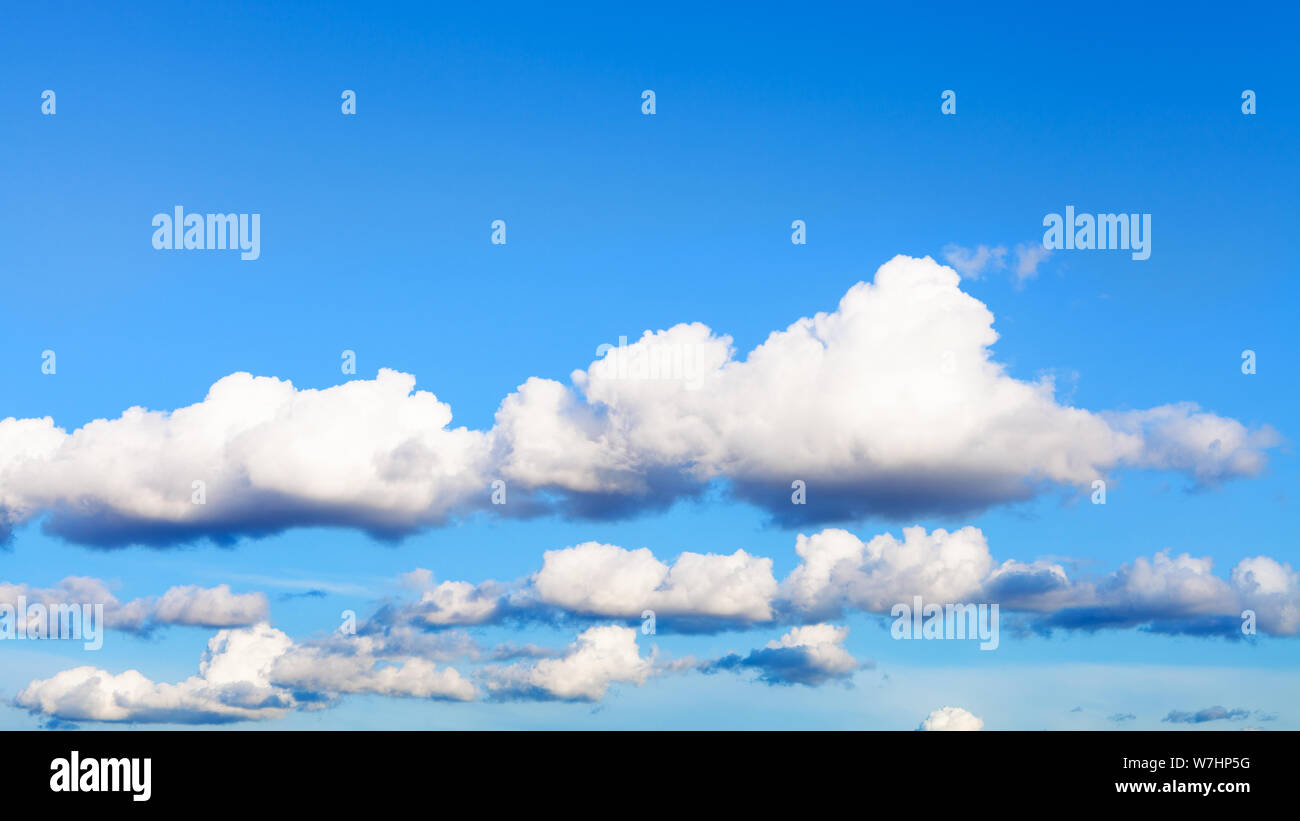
column 370, row 454
column 891, row 404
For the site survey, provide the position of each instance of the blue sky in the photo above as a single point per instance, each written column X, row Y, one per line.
column 375, row 238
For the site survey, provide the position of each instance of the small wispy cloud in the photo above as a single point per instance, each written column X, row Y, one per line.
column 1028, row 257
column 1215, row 713
column 306, row 587
column 974, row 263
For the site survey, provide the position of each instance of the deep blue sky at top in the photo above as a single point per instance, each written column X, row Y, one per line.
column 375, row 228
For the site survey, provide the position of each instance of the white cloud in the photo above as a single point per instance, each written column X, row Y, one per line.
column 606, row 580
column 370, row 454
column 891, row 404
column 951, row 718
column 1208, row 448
column 823, row 641
column 810, row 655
column 593, row 580
column 210, row 607
column 255, row 673
column 232, row 685
column 1272, row 589
column 840, row 573
column 183, row 605
column 318, row 670
column 454, row 602
column 1180, row 594
column 600, row 657
column 129, row 616
column 838, row 570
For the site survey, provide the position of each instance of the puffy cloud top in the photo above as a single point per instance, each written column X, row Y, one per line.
column 600, row 656
column 811, row 655
column 232, row 685
column 951, row 718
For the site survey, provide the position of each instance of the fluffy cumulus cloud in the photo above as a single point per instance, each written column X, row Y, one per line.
column 210, row 607
column 232, row 685
column 318, row 671
column 600, row 657
column 255, row 673
column 891, row 404
column 454, row 603
column 839, row 573
column 371, row 454
column 1164, row 593
column 258, row 673
column 187, row 604
column 951, row 718
column 696, row 593
column 811, row 655
column 606, row 580
column 131, row 616
column 1272, row 590
column 1181, row 594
